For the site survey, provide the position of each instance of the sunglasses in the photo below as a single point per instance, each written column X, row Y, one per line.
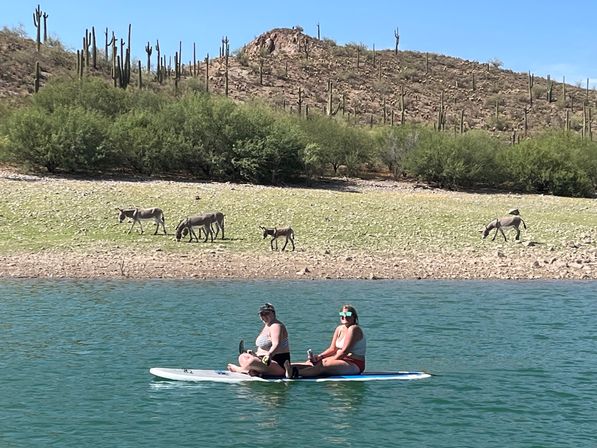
column 345, row 313
column 264, row 313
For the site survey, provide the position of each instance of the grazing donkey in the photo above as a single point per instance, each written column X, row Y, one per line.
column 504, row 222
column 276, row 233
column 217, row 222
column 143, row 214
column 185, row 227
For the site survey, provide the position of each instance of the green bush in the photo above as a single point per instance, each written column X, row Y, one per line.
column 90, row 94
column 555, row 163
column 455, row 161
column 70, row 138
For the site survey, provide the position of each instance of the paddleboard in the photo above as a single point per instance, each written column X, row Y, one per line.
column 224, row 376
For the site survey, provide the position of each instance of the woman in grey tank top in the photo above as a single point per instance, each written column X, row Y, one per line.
column 272, row 351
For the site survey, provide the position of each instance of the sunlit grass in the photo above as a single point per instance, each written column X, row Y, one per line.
column 81, row 215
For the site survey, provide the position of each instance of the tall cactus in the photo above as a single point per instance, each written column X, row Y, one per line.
column 140, row 76
column 397, row 36
column 108, row 44
column 549, row 89
column 462, row 121
column 226, row 53
column 148, row 50
column 207, row 72
column 531, row 83
column 45, row 16
column 93, row 49
column 37, row 15
column 300, row 101
column 159, row 57
column 194, row 60
column 441, row 114
column 330, row 97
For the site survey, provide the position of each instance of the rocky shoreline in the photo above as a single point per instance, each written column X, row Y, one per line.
column 576, row 263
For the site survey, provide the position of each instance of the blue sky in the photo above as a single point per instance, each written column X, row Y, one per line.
column 545, row 37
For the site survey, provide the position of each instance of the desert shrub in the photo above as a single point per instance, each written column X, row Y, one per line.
column 392, row 145
column 556, row 163
column 90, row 94
column 69, row 139
column 455, row 161
column 136, row 139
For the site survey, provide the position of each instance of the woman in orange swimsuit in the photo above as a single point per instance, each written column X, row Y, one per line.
column 344, row 356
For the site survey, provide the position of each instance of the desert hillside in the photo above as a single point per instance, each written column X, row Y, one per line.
column 290, row 69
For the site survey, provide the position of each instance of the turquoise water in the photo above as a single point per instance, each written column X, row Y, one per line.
column 516, row 364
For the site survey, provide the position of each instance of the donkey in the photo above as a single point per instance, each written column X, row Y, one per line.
column 504, row 222
column 276, row 233
column 217, row 222
column 185, row 227
column 143, row 214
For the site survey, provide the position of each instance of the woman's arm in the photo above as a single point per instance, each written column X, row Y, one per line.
column 275, row 334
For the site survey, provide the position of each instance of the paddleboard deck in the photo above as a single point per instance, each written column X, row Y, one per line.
column 224, row 376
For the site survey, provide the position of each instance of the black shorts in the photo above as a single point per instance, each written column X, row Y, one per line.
column 281, row 358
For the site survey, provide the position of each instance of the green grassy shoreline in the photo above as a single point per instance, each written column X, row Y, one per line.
column 60, row 214
column 65, row 228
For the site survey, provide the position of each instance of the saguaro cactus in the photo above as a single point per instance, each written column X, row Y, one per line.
column 37, row 15
column 207, row 72
column 441, row 114
column 148, row 50
column 226, row 54
column 531, row 83
column 397, row 36
column 45, row 16
column 330, row 97
column 108, row 44
column 549, row 89
column 93, row 48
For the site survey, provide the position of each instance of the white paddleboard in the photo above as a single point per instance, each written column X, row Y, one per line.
column 224, row 376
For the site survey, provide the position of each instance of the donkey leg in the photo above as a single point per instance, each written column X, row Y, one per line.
column 131, row 229
column 292, row 242
column 517, row 234
column 503, row 234
column 285, row 243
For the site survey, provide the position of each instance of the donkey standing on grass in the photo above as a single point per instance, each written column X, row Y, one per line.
column 185, row 227
column 217, row 222
column 143, row 214
column 276, row 233
column 505, row 222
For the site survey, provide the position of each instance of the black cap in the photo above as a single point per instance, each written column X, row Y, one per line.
column 267, row 307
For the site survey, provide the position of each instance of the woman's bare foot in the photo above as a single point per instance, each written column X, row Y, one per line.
column 234, row 368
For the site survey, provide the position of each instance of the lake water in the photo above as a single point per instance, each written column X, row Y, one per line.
column 516, row 364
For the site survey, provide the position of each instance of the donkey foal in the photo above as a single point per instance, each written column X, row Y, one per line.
column 276, row 233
